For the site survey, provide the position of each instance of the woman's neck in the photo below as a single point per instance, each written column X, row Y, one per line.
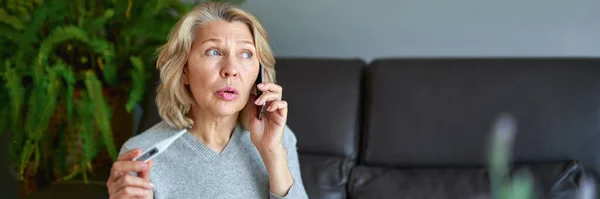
column 212, row 131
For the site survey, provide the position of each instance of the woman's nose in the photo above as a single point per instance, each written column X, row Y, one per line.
column 229, row 68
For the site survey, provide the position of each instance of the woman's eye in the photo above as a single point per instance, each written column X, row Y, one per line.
column 246, row 55
column 213, row 52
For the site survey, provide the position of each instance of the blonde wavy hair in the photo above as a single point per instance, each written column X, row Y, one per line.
column 173, row 99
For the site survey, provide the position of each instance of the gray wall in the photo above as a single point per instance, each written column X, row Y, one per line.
column 430, row 28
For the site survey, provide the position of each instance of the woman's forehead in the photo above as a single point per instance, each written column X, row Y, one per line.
column 218, row 31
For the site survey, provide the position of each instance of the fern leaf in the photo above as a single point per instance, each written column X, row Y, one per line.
column 10, row 35
column 73, row 173
column 148, row 28
column 34, row 104
column 100, row 21
column 37, row 156
column 29, row 38
column 43, row 99
column 70, row 79
column 75, row 32
column 84, row 171
column 11, row 20
column 86, row 133
column 108, row 66
column 101, row 112
column 109, row 72
column 12, row 5
column 161, row 4
column 68, row 75
column 22, row 9
column 16, row 96
column 181, row 8
column 26, row 153
column 79, row 8
column 58, row 35
column 138, row 83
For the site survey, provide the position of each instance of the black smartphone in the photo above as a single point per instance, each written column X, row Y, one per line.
column 260, row 79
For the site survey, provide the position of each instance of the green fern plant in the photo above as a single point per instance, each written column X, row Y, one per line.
column 57, row 60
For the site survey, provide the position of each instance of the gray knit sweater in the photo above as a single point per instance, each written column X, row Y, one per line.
column 189, row 169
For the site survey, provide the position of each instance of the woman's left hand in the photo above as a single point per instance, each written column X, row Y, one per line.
column 267, row 133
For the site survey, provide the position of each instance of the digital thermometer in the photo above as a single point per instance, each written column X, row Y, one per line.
column 159, row 147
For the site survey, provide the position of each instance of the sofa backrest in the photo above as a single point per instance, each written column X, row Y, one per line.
column 324, row 97
column 438, row 112
column 324, row 102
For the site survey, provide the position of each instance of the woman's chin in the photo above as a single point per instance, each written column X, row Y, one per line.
column 224, row 111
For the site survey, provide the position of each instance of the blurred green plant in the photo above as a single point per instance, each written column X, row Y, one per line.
column 520, row 185
column 57, row 62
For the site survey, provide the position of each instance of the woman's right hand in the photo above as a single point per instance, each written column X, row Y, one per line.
column 122, row 185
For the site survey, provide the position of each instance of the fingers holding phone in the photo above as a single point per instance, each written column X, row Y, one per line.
column 267, row 121
column 271, row 93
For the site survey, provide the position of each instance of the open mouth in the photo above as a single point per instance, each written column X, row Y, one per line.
column 229, row 90
column 228, row 93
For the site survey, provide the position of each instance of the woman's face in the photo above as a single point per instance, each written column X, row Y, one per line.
column 222, row 67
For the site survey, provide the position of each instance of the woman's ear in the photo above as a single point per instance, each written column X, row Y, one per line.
column 184, row 77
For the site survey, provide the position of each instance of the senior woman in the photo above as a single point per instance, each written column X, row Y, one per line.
column 208, row 69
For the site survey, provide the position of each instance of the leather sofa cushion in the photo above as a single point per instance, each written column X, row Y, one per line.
column 323, row 96
column 450, row 183
column 325, row 176
column 439, row 111
column 375, row 182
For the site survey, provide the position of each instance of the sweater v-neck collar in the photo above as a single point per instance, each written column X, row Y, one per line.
column 210, row 155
